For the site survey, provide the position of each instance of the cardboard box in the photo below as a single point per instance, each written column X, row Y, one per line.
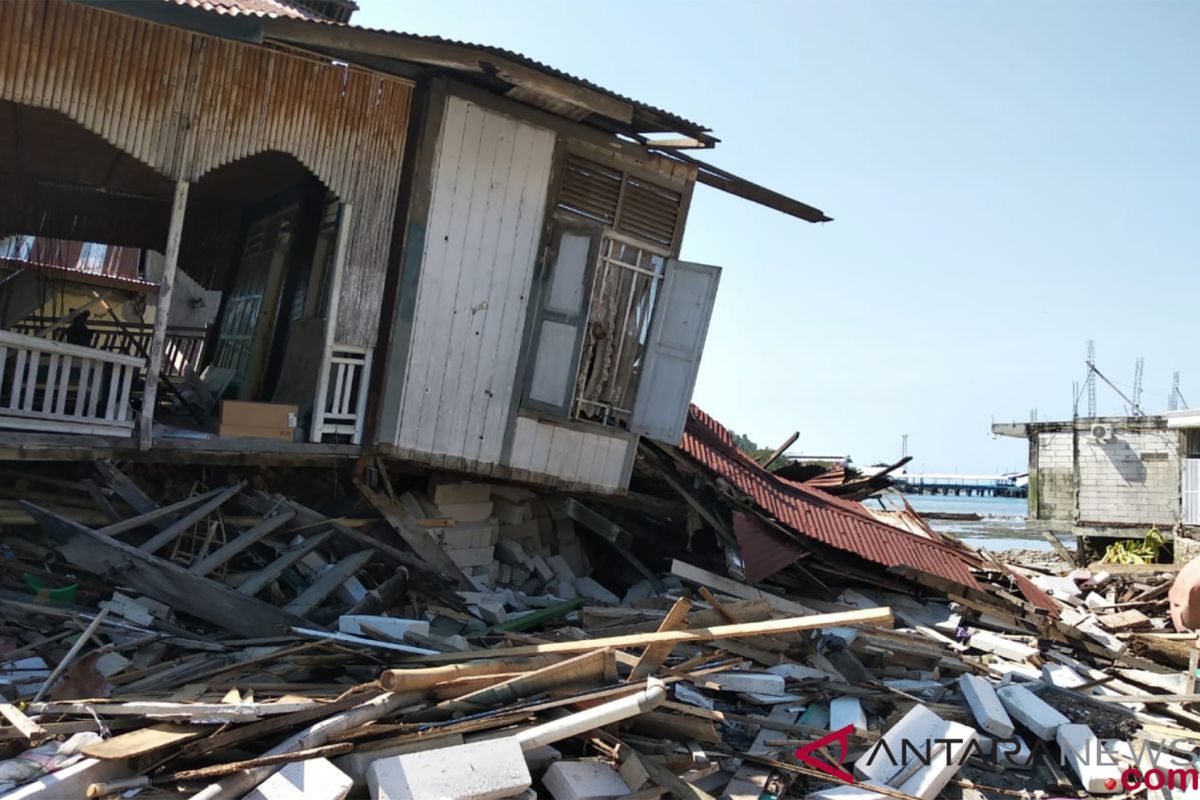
column 258, row 420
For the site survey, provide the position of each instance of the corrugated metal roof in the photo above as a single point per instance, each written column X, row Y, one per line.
column 276, row 9
column 252, row 8
column 835, row 522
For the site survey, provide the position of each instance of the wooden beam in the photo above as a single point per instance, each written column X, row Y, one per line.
column 243, row 541
column 163, row 580
column 654, row 655
column 868, row 616
column 158, row 340
column 156, row 514
column 731, row 587
column 404, row 523
column 255, row 583
column 329, row 580
column 35, row 733
column 176, row 529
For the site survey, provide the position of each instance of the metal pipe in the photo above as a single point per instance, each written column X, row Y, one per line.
column 604, row 714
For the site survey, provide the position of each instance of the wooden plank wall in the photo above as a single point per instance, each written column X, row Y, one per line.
column 185, row 104
column 490, row 180
column 572, row 456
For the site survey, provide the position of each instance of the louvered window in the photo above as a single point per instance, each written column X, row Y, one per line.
column 621, row 201
column 589, row 366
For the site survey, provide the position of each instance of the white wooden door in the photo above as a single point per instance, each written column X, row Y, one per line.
column 1190, row 491
column 673, row 353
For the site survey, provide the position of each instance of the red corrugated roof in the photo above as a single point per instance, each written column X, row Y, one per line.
column 835, row 522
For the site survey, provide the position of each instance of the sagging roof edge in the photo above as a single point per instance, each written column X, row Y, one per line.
column 511, row 67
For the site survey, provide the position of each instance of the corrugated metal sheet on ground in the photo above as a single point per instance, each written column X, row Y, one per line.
column 832, row 521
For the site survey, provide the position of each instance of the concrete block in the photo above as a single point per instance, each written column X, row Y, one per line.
column 990, row 642
column 573, row 553
column 394, row 627
column 594, row 591
column 314, row 779
column 752, row 682
column 510, row 552
column 491, row 769
column 986, row 706
column 561, row 568
column 507, row 512
column 472, row 556
column 539, row 759
column 1031, row 711
column 564, row 590
column 493, row 613
column 845, row 711
column 582, row 780
column 357, row 763
column 1013, row 752
column 1061, row 676
column 458, row 493
column 934, row 752
column 110, row 664
column 467, row 534
column 466, row 512
column 542, row 568
column 504, row 575
column 1097, row 770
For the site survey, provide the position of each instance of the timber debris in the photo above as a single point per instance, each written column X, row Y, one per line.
column 415, row 637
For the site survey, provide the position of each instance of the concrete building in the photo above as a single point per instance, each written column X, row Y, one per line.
column 1114, row 476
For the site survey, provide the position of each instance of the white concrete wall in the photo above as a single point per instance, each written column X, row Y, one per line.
column 1132, row 479
column 1053, row 481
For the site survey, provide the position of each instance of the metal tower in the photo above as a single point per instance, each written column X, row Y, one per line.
column 1091, row 378
column 1173, row 400
column 1137, row 386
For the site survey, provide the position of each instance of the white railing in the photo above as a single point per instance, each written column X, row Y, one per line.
column 64, row 388
column 342, row 394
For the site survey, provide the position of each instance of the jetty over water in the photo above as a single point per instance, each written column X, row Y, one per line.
column 1013, row 484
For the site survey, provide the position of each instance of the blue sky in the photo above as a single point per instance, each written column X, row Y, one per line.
column 1007, row 181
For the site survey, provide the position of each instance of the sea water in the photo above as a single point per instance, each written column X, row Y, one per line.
column 1002, row 526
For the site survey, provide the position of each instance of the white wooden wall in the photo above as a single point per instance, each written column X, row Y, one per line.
column 490, row 181
column 571, row 456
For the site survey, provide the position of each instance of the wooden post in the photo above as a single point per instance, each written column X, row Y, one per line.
column 162, row 310
column 335, row 290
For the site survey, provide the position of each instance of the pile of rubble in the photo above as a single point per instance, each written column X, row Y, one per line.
column 444, row 638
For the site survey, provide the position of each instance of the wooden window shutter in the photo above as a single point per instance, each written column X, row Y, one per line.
column 563, row 300
column 649, row 212
column 673, row 352
column 590, row 189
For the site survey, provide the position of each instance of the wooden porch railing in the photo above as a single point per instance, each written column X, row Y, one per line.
column 64, row 388
column 184, row 346
column 342, row 394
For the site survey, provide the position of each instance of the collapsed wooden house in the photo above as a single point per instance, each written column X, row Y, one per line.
column 431, row 251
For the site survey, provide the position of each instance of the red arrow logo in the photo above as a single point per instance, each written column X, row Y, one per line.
column 842, row 737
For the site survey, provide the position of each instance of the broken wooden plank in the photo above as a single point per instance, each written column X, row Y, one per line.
column 240, row 543
column 403, row 522
column 163, row 580
column 654, row 655
column 176, row 529
column 731, row 587
column 255, row 583
column 867, row 616
column 157, row 515
column 584, row 671
column 32, row 731
column 127, row 490
column 329, row 580
column 145, row 740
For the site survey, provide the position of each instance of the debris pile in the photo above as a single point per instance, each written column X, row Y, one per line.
column 451, row 638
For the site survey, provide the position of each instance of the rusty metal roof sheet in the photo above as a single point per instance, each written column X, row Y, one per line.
column 838, row 523
column 650, row 119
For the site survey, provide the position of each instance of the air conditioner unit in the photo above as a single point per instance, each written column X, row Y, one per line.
column 1102, row 433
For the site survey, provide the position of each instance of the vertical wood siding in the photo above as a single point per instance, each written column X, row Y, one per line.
column 568, row 455
column 490, row 180
column 185, row 104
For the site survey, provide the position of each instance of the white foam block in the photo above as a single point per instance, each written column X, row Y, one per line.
column 986, row 706
column 491, row 769
column 314, row 779
column 845, row 711
column 1097, row 769
column 1031, row 711
column 582, row 780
